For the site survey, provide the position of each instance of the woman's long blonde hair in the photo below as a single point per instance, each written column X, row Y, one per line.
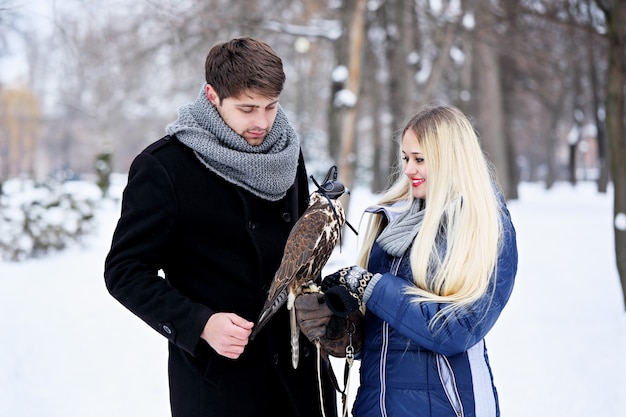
column 461, row 207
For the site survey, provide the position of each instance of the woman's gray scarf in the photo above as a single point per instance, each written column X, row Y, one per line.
column 267, row 170
column 399, row 234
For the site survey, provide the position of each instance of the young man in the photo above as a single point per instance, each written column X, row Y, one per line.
column 211, row 206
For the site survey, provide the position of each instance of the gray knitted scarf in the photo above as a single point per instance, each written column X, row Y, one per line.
column 267, row 170
column 399, row 234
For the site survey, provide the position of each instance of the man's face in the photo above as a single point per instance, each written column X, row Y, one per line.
column 251, row 115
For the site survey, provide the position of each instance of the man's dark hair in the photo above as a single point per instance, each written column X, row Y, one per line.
column 244, row 64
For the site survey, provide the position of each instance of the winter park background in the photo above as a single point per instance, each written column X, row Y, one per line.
column 68, row 349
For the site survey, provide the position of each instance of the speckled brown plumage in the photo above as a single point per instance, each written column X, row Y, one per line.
column 309, row 246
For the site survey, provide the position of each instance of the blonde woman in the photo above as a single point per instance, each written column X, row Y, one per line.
column 437, row 266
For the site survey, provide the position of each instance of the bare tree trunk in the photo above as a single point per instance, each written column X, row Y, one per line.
column 335, row 113
column 508, row 76
column 577, row 127
column 398, row 15
column 357, row 35
column 552, row 139
column 508, row 104
column 616, row 22
column 374, row 95
column 603, row 166
column 490, row 104
column 571, row 168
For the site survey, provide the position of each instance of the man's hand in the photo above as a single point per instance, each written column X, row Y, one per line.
column 227, row 334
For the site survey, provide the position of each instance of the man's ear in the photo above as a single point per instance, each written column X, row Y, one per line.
column 211, row 95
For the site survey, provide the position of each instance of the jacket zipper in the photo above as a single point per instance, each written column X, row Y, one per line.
column 446, row 376
column 395, row 266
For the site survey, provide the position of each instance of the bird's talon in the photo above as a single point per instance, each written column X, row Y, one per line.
column 311, row 287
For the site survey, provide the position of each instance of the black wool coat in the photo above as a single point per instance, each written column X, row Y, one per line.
column 217, row 246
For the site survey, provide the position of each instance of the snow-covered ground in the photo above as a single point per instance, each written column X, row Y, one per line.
column 68, row 349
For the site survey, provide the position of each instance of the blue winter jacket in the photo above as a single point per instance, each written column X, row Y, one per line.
column 409, row 370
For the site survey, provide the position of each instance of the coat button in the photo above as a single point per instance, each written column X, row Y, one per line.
column 167, row 329
column 275, row 359
column 287, row 217
column 251, row 225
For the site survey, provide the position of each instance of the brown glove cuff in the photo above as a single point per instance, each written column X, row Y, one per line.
column 340, row 332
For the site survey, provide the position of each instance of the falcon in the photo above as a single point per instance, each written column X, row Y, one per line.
column 309, row 246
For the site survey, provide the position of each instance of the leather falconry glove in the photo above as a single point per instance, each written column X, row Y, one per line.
column 343, row 290
column 312, row 315
column 335, row 334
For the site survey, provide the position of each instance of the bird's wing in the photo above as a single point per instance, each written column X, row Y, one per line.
column 298, row 262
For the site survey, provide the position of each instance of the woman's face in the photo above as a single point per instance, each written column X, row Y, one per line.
column 414, row 164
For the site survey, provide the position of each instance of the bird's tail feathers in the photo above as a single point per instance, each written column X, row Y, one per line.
column 268, row 313
column 295, row 339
